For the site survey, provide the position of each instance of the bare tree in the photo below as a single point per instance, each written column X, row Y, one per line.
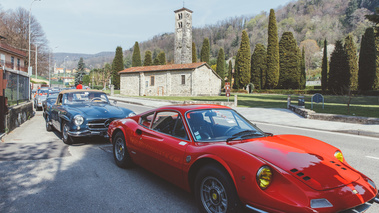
column 14, row 26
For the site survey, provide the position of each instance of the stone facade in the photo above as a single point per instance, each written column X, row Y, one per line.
column 183, row 36
column 170, row 80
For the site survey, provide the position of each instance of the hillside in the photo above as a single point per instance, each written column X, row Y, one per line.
column 306, row 19
column 91, row 60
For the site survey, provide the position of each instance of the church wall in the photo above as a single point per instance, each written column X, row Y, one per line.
column 205, row 82
column 129, row 84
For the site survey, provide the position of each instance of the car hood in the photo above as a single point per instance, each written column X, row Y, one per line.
column 299, row 156
column 102, row 110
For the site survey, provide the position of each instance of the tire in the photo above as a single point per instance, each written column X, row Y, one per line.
column 65, row 137
column 215, row 191
column 120, row 151
column 48, row 126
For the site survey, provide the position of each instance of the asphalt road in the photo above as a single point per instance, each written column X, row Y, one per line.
column 38, row 173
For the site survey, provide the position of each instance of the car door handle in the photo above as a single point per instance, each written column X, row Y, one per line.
column 139, row 132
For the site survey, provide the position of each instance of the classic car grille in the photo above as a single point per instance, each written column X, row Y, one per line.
column 99, row 124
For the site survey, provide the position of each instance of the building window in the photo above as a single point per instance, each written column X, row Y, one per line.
column 180, row 24
column 12, row 62
column 183, row 79
column 180, row 16
column 152, row 79
column 18, row 64
column 2, row 58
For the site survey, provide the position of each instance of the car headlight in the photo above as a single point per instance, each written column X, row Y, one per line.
column 131, row 114
column 78, row 120
column 264, row 177
column 339, row 156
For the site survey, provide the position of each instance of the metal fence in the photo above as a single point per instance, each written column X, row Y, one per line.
column 17, row 86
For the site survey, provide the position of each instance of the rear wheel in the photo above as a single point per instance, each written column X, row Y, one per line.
column 65, row 137
column 120, row 152
column 215, row 191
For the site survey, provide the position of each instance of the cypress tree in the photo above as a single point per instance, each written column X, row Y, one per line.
column 272, row 53
column 117, row 65
column 136, row 59
column 367, row 61
column 148, row 60
column 220, row 69
column 236, row 84
column 338, row 73
column 205, row 51
column 324, row 71
column 156, row 61
column 289, row 77
column 259, row 66
column 162, row 58
column 230, row 73
column 244, row 60
column 81, row 73
column 194, row 55
column 352, row 59
column 303, row 75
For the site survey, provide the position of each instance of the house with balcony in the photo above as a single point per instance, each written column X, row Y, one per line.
column 12, row 59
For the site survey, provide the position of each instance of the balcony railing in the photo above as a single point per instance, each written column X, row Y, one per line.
column 13, row 66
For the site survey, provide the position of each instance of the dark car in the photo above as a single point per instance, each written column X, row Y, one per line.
column 83, row 113
column 231, row 165
column 51, row 98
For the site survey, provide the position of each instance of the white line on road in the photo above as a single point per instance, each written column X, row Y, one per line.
column 376, row 158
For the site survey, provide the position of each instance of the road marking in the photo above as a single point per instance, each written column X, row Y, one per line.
column 376, row 158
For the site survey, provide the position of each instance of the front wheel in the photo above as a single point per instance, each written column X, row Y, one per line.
column 215, row 191
column 120, row 152
column 48, row 126
column 65, row 137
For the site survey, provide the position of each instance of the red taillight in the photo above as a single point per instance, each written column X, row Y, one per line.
column 40, row 94
column 44, row 93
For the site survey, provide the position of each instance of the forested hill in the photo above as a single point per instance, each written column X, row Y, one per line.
column 306, row 19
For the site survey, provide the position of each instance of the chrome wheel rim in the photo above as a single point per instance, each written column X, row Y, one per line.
column 65, row 132
column 119, row 149
column 213, row 195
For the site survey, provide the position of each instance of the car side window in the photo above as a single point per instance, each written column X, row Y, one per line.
column 146, row 120
column 169, row 123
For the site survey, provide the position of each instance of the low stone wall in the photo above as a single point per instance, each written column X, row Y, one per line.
column 307, row 113
column 17, row 115
column 229, row 104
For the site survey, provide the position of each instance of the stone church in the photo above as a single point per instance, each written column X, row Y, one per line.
column 183, row 78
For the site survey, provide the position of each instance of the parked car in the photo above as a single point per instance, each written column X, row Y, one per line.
column 51, row 98
column 83, row 113
column 230, row 164
column 40, row 97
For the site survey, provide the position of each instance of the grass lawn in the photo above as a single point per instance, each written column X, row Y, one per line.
column 366, row 106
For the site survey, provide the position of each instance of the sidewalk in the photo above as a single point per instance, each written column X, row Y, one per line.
column 276, row 116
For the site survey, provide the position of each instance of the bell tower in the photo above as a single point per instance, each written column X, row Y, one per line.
column 183, row 36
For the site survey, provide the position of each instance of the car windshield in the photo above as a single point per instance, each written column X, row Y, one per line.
column 84, row 97
column 213, row 125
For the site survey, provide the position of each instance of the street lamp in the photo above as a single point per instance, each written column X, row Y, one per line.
column 49, row 65
column 64, row 74
column 29, row 71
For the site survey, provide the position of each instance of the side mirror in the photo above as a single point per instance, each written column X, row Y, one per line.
column 114, row 102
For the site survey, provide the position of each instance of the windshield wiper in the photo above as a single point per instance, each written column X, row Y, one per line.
column 245, row 133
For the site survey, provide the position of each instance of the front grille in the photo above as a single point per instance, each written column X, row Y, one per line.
column 99, row 124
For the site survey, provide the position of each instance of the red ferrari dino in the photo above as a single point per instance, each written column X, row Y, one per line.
column 231, row 165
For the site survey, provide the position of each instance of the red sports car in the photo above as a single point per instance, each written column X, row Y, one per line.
column 231, row 165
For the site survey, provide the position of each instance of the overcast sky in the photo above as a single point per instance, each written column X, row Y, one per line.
column 93, row 26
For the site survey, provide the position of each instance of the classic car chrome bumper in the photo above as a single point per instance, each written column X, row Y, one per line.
column 86, row 133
